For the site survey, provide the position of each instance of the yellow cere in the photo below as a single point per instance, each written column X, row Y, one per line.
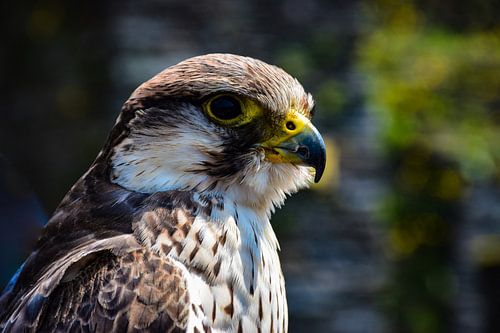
column 293, row 124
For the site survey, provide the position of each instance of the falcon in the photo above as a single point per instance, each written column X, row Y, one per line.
column 169, row 230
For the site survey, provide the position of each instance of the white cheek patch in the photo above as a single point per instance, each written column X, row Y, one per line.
column 160, row 158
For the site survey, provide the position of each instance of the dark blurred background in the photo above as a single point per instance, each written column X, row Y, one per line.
column 403, row 235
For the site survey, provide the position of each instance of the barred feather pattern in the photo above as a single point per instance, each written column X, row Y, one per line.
column 233, row 272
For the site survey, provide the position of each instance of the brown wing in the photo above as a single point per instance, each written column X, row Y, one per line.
column 90, row 273
column 104, row 292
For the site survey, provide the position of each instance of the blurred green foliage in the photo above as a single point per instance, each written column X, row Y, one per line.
column 435, row 92
column 422, row 212
column 437, row 88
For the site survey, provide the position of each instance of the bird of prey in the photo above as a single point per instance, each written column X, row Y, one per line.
column 169, row 230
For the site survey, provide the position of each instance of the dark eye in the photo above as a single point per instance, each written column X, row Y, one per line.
column 225, row 107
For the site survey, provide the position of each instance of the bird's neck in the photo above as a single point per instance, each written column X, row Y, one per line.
column 243, row 282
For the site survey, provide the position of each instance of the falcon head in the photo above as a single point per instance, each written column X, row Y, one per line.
column 222, row 123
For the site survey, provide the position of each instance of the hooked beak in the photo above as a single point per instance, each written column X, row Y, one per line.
column 302, row 145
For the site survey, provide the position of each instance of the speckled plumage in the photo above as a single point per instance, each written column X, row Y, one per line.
column 169, row 229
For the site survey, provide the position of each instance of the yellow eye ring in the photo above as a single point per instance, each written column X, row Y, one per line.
column 225, row 109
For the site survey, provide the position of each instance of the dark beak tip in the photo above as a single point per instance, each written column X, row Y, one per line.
column 317, row 177
column 319, row 168
column 318, row 158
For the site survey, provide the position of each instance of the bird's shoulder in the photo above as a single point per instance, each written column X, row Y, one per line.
column 92, row 269
column 135, row 291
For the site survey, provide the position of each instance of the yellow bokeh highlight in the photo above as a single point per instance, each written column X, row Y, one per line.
column 331, row 175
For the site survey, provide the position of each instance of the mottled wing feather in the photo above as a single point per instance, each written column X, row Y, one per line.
column 137, row 292
column 134, row 291
column 22, row 306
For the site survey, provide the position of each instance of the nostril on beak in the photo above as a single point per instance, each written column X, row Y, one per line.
column 303, row 152
column 290, row 125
